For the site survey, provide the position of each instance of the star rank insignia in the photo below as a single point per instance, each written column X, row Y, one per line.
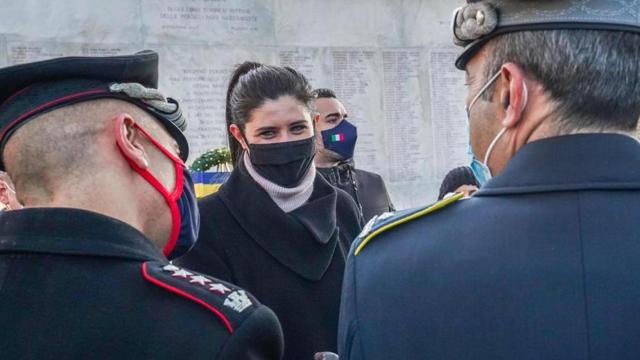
column 238, row 301
column 219, row 288
column 231, row 307
column 199, row 279
column 181, row 273
column 170, row 267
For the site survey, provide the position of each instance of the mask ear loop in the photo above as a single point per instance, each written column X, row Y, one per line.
column 484, row 88
column 170, row 197
column 490, row 148
column 504, row 129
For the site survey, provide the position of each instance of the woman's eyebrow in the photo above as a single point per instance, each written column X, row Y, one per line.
column 266, row 128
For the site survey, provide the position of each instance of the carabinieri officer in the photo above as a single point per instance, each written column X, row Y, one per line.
column 96, row 153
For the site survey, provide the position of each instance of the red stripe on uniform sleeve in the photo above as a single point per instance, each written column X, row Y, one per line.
column 187, row 295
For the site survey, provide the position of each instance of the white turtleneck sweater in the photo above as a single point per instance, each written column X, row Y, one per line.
column 287, row 199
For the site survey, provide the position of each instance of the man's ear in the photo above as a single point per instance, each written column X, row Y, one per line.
column 129, row 140
column 317, row 133
column 513, row 95
column 237, row 134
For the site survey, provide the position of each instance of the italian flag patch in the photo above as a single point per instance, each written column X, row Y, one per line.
column 337, row 137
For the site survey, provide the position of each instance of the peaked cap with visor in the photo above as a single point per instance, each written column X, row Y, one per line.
column 480, row 20
column 31, row 89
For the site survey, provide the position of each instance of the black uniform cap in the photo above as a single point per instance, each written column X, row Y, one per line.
column 480, row 20
column 31, row 89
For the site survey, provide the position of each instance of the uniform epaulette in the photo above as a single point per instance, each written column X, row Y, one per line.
column 229, row 303
column 386, row 221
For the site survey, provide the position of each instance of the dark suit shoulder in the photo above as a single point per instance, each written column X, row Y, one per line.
column 372, row 182
column 372, row 177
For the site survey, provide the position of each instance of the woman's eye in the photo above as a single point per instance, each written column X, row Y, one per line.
column 267, row 134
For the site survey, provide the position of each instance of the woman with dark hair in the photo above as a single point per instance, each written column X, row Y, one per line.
column 276, row 227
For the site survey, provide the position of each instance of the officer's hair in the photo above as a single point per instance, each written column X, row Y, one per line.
column 324, row 93
column 592, row 76
column 57, row 148
column 252, row 84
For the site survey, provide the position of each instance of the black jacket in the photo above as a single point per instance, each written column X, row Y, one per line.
column 366, row 188
column 79, row 285
column 543, row 262
column 292, row 262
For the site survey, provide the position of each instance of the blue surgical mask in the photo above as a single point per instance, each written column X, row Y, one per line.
column 341, row 139
column 480, row 171
column 189, row 218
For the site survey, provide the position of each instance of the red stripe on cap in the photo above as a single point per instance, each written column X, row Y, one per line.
column 15, row 95
column 187, row 295
column 47, row 105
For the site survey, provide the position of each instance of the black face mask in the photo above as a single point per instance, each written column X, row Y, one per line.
column 284, row 163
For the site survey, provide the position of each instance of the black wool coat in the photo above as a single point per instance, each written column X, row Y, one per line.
column 80, row 285
column 292, row 262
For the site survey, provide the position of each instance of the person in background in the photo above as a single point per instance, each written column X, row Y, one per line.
column 336, row 142
column 543, row 262
column 458, row 180
column 276, row 227
column 96, row 153
column 8, row 196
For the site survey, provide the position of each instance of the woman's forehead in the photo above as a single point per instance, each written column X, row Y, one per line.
column 281, row 111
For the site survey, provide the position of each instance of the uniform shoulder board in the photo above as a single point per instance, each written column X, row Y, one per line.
column 229, row 303
column 386, row 221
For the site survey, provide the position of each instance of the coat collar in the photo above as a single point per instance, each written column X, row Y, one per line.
column 570, row 163
column 303, row 240
column 341, row 173
column 73, row 232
